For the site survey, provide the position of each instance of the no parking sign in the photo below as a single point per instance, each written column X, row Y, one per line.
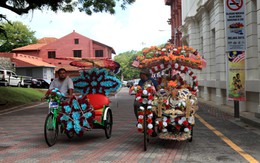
column 235, row 25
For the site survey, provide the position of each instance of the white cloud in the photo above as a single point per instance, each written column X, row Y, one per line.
column 129, row 29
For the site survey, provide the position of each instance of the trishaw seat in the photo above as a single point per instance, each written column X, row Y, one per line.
column 98, row 100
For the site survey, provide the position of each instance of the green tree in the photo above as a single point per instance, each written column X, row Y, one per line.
column 125, row 60
column 88, row 6
column 17, row 34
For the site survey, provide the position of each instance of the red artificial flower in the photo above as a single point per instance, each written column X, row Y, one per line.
column 189, row 127
column 149, row 120
column 140, row 120
column 185, row 123
column 140, row 100
column 148, row 112
column 167, row 106
column 140, row 113
column 160, row 124
column 176, row 119
column 150, row 97
column 140, row 130
column 178, row 127
column 168, row 120
column 138, row 94
column 149, row 131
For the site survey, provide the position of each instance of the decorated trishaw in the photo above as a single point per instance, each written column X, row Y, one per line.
column 87, row 110
column 170, row 109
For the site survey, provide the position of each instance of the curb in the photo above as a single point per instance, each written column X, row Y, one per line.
column 20, row 107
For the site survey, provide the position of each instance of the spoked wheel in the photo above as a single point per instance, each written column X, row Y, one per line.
column 145, row 132
column 108, row 124
column 191, row 134
column 70, row 134
column 50, row 130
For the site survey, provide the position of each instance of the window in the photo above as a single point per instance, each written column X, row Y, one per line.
column 77, row 53
column 76, row 41
column 99, row 53
column 51, row 54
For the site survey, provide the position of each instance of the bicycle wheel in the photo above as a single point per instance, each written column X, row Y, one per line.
column 108, row 124
column 70, row 134
column 145, row 130
column 50, row 130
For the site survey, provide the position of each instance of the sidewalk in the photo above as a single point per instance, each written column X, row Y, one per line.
column 246, row 117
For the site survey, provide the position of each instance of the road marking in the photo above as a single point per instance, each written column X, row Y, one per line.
column 248, row 157
column 15, row 110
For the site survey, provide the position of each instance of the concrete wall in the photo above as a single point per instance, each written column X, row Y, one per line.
column 204, row 28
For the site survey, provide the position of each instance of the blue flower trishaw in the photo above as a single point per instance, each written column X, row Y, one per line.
column 88, row 111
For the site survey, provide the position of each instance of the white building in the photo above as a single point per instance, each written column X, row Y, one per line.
column 204, row 29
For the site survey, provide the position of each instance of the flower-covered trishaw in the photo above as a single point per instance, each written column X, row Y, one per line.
column 90, row 110
column 170, row 110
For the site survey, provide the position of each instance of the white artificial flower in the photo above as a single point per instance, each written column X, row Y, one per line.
column 183, row 118
column 149, row 85
column 172, row 119
column 164, row 124
column 150, row 126
column 140, row 117
column 145, row 92
column 141, row 108
column 164, row 118
column 139, row 125
column 164, row 130
column 186, row 130
column 150, row 115
column 180, row 122
column 157, row 122
column 149, row 107
column 192, row 101
column 138, row 98
column 145, row 101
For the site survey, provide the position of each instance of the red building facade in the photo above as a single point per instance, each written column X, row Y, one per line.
column 175, row 21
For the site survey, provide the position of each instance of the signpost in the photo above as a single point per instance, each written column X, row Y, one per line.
column 235, row 25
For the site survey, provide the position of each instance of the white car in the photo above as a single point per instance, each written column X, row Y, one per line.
column 8, row 77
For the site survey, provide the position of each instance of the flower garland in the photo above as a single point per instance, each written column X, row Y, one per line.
column 145, row 97
column 96, row 81
column 77, row 115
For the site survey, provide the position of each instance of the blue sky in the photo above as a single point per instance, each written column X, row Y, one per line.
column 142, row 24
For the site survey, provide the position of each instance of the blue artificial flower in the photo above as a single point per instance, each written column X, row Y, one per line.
column 83, row 106
column 87, row 115
column 64, row 117
column 93, row 83
column 75, row 104
column 77, row 127
column 75, row 115
column 69, row 125
column 67, row 109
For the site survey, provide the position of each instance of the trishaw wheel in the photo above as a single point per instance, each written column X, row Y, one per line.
column 70, row 134
column 50, row 130
column 145, row 132
column 108, row 124
column 191, row 134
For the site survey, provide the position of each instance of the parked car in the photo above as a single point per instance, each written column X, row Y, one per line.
column 8, row 77
column 41, row 83
column 26, row 81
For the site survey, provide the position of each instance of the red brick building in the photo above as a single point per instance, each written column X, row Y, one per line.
column 71, row 45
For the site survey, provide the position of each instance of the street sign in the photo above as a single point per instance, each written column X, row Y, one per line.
column 234, row 5
column 235, row 25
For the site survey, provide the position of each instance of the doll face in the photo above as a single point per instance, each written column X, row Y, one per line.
column 174, row 93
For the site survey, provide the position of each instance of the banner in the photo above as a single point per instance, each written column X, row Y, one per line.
column 236, row 75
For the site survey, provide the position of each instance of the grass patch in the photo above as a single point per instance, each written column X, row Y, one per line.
column 13, row 96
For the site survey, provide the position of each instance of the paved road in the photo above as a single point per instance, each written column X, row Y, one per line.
column 217, row 138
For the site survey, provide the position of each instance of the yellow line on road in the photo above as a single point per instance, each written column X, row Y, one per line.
column 228, row 141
